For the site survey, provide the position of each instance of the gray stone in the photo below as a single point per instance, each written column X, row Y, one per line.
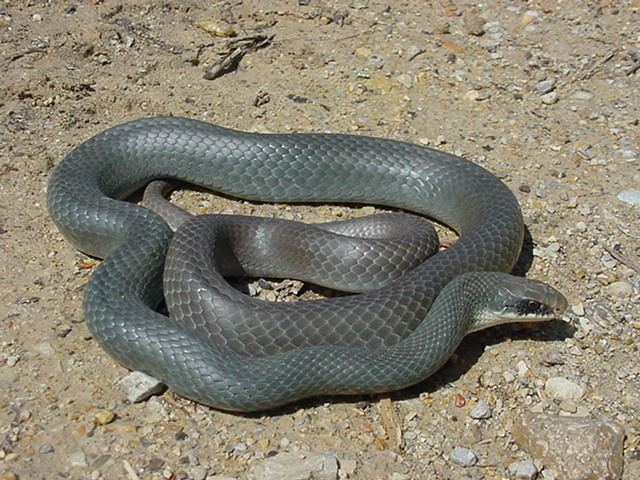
column 627, row 153
column 524, row 470
column 632, row 197
column 545, row 86
column 46, row 448
column 463, row 456
column 297, row 466
column 139, row 386
column 559, row 388
column 482, row 410
column 576, row 448
column 413, row 51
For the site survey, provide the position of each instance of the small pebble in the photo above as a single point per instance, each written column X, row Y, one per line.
column 46, row 448
column 620, row 289
column 523, row 470
column 12, row 360
column 546, row 86
column 632, row 197
column 399, row 476
column 549, row 474
column 552, row 357
column 582, row 95
column 578, row 309
column 348, row 467
column 473, row 23
column 198, row 473
column 413, row 51
column 477, row 95
column 78, row 459
column 405, row 80
column 568, row 406
column 482, row 410
column 463, row 457
column 139, row 386
column 523, row 369
column 104, row 417
column 550, row 98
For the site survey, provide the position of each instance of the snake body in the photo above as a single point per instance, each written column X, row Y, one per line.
column 85, row 195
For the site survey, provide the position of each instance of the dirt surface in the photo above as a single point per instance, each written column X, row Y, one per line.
column 544, row 94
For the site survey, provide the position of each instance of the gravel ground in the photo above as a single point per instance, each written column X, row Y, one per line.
column 543, row 93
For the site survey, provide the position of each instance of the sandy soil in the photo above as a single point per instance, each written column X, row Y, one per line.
column 544, row 94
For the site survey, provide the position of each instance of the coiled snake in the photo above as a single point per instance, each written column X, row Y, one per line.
column 430, row 308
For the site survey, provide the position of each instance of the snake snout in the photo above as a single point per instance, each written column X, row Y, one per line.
column 514, row 299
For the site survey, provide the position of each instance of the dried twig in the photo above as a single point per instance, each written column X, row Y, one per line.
column 633, row 68
column 238, row 49
column 24, row 53
column 391, row 422
column 591, row 72
column 622, row 258
column 130, row 471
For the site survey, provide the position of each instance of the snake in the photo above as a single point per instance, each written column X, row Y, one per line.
column 433, row 305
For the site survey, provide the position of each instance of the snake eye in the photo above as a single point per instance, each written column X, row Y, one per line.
column 527, row 306
column 533, row 305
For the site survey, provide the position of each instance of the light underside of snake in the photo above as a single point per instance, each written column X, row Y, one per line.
column 383, row 340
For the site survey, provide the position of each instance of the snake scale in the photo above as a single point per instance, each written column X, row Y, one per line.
column 436, row 303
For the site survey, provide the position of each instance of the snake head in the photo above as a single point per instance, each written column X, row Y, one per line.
column 511, row 299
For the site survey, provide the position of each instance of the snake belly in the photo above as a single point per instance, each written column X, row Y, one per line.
column 85, row 195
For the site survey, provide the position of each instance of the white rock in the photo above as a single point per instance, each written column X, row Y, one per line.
column 348, row 467
column 523, row 368
column 559, row 388
column 405, row 80
column 550, row 98
column 297, row 466
column 578, row 309
column 139, row 386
